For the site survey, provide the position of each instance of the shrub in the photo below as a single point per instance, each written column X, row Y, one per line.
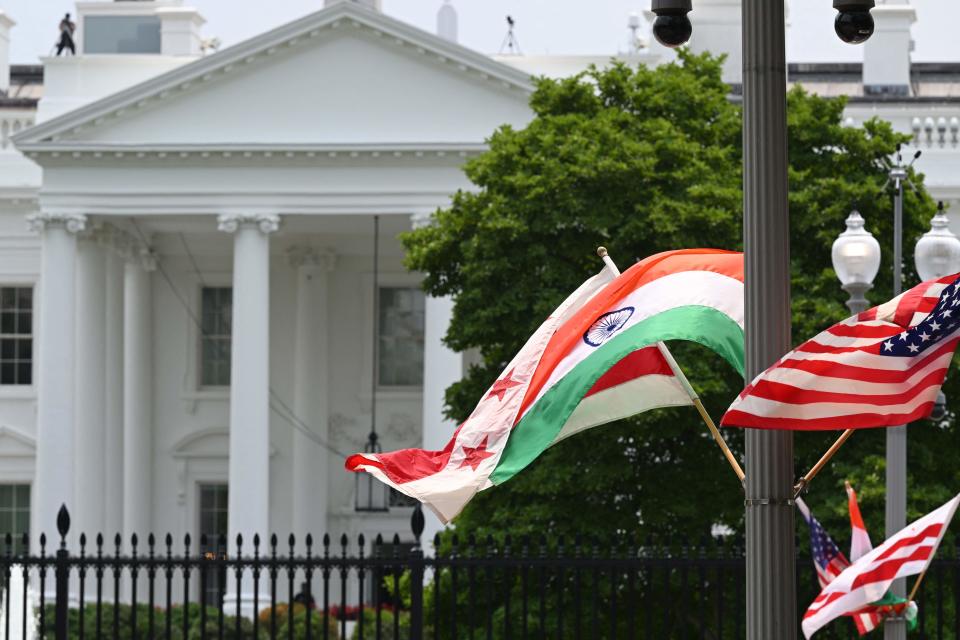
column 386, row 624
column 300, row 619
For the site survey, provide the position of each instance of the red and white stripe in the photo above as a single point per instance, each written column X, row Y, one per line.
column 839, row 379
column 867, row 580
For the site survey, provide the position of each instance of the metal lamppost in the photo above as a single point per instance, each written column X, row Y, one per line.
column 769, row 501
column 856, row 259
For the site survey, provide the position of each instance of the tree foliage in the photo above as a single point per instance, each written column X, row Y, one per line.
column 641, row 161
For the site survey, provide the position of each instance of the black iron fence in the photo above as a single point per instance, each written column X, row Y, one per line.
column 503, row 589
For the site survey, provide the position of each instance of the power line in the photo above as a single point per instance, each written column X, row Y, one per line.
column 283, row 410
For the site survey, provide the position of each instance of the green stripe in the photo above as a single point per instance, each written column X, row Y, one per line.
column 538, row 429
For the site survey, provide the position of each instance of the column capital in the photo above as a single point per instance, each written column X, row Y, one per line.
column 266, row 222
column 145, row 257
column 306, row 256
column 72, row 222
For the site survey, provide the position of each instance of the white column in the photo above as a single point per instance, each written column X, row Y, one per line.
column 248, row 505
column 138, row 395
column 310, row 459
column 113, row 376
column 441, row 368
column 53, row 475
column 90, row 390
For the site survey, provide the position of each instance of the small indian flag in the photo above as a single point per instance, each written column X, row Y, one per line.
column 593, row 361
column 860, row 544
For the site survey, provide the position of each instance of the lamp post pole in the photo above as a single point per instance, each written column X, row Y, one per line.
column 896, row 467
column 771, row 569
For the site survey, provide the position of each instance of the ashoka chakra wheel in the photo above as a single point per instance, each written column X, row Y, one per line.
column 606, row 325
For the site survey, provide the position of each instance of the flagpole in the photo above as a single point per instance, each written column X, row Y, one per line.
column 821, row 463
column 685, row 383
column 916, row 585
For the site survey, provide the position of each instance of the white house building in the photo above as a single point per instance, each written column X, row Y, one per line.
column 187, row 326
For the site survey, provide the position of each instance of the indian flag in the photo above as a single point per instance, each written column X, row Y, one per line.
column 594, row 360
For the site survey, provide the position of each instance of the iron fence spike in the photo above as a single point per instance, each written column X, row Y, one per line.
column 63, row 521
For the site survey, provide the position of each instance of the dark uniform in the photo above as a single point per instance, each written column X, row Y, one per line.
column 67, row 27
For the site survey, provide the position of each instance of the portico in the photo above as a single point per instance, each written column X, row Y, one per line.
column 212, row 257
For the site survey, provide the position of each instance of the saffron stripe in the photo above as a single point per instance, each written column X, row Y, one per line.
column 540, row 426
column 726, row 263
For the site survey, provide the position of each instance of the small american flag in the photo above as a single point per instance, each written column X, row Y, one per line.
column 828, row 560
column 880, row 368
column 866, row 581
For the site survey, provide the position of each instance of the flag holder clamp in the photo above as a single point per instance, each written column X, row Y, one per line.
column 804, row 482
column 685, row 383
column 769, row 502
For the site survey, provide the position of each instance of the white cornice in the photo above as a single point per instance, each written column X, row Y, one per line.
column 343, row 15
column 65, row 148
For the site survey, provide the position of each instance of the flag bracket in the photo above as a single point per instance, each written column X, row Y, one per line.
column 804, row 482
column 769, row 502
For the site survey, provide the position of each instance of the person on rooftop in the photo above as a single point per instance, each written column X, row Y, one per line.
column 67, row 27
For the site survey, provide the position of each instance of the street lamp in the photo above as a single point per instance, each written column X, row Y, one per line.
column 856, row 259
column 937, row 254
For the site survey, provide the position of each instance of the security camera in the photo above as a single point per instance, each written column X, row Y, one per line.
column 672, row 27
column 853, row 23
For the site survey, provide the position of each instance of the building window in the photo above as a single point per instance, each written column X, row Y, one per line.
column 16, row 335
column 217, row 306
column 15, row 515
column 400, row 336
column 121, row 34
column 213, row 525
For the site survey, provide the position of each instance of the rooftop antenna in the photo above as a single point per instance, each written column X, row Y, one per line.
column 637, row 42
column 510, row 42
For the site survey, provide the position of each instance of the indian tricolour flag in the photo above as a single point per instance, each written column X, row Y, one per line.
column 594, row 360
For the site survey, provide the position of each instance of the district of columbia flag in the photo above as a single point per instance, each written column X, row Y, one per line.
column 859, row 538
column 594, row 360
column 867, row 580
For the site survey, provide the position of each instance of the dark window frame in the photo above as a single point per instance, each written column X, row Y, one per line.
column 395, row 381
column 216, row 335
column 17, row 335
column 19, row 510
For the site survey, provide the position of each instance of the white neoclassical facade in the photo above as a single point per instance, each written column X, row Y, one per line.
column 187, row 286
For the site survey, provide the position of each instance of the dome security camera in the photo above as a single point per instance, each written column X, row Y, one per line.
column 853, row 23
column 672, row 27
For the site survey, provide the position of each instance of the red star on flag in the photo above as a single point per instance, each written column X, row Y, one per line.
column 500, row 387
column 475, row 455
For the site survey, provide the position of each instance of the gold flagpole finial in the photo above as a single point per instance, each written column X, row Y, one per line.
column 602, row 252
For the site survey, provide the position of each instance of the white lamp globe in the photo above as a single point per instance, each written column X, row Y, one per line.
column 856, row 254
column 938, row 251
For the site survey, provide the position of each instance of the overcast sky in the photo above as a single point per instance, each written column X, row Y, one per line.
column 543, row 26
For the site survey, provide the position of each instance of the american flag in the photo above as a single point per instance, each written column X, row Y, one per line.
column 828, row 560
column 880, row 368
column 904, row 554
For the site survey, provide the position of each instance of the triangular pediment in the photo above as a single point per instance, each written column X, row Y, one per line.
column 345, row 75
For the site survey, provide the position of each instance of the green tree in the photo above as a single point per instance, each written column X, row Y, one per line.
column 645, row 160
